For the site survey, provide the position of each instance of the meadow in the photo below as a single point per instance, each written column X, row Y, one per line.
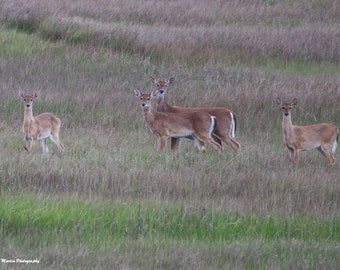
column 112, row 201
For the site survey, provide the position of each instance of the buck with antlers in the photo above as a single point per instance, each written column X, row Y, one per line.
column 225, row 119
column 196, row 124
column 40, row 127
column 322, row 136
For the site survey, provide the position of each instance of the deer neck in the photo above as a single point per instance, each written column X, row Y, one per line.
column 148, row 115
column 28, row 115
column 28, row 122
column 288, row 128
column 162, row 105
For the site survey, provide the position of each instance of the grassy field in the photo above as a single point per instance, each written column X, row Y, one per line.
column 112, row 201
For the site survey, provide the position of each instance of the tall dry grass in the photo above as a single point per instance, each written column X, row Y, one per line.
column 110, row 150
column 301, row 30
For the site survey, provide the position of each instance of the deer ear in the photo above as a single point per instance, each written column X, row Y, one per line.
column 138, row 93
column 21, row 94
column 294, row 101
column 278, row 101
column 171, row 80
column 153, row 80
column 35, row 94
column 154, row 93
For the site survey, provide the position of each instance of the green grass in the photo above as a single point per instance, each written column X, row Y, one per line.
column 19, row 44
column 133, row 226
column 304, row 68
column 99, row 223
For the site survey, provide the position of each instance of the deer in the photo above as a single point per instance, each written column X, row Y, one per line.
column 40, row 127
column 196, row 124
column 323, row 137
column 226, row 121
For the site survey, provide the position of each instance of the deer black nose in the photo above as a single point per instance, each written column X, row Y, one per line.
column 286, row 114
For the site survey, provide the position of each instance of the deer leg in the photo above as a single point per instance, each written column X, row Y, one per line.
column 224, row 133
column 32, row 145
column 162, row 143
column 327, row 153
column 234, row 144
column 295, row 156
column 208, row 136
column 217, row 139
column 199, row 143
column 61, row 147
column 322, row 151
column 25, row 145
column 44, row 146
column 212, row 142
column 215, row 145
column 228, row 140
column 174, row 143
column 57, row 142
column 290, row 152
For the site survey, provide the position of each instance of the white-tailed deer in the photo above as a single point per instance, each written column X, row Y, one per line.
column 40, row 127
column 198, row 125
column 322, row 136
column 225, row 119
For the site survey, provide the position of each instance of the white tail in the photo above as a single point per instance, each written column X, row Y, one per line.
column 40, row 127
column 198, row 125
column 302, row 138
column 225, row 119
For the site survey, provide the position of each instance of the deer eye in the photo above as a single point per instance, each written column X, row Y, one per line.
column 283, row 108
